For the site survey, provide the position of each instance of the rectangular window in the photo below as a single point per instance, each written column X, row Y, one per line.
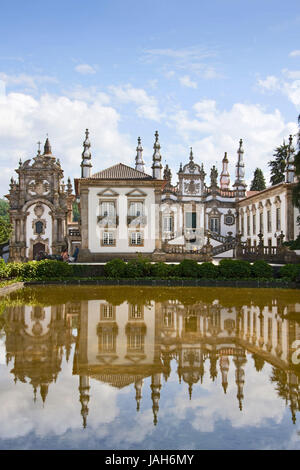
column 108, row 312
column 248, row 225
column 254, row 224
column 136, row 238
column 107, row 342
column 168, row 224
column 136, row 312
column 190, row 220
column 108, row 238
column 261, row 222
column 242, row 224
column 136, row 209
column 278, row 221
column 135, row 342
column 214, row 224
column 107, row 209
column 269, row 221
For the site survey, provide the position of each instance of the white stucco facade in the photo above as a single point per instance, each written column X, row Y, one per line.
column 121, row 197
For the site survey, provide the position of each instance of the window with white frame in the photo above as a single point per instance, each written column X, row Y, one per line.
column 261, row 222
column 269, row 221
column 108, row 238
column 136, row 238
column 107, row 208
column 254, row 223
column 214, row 224
column 136, row 208
column 168, row 223
column 278, row 218
column 108, row 311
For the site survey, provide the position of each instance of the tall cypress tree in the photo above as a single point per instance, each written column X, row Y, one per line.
column 296, row 190
column 258, row 183
column 278, row 164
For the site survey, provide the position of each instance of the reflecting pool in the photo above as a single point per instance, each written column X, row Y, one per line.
column 150, row 368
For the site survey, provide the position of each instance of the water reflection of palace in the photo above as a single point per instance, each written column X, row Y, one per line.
column 123, row 344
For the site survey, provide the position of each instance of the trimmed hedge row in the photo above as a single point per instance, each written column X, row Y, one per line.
column 142, row 268
column 227, row 269
column 45, row 269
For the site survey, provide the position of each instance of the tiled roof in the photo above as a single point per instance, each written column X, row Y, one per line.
column 121, row 172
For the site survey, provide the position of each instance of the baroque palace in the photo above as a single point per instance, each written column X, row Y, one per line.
column 125, row 211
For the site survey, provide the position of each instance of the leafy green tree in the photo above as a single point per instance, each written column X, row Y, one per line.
column 258, row 183
column 5, row 229
column 278, row 164
column 4, row 209
column 76, row 213
column 296, row 190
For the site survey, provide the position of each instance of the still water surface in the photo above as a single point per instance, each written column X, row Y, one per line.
column 150, row 368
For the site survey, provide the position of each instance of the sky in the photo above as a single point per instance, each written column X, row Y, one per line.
column 204, row 74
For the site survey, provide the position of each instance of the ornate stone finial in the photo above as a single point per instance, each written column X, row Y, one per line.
column 167, row 173
column 156, row 166
column 69, row 187
column 213, row 177
column 191, row 155
column 47, row 148
column 20, row 163
column 240, row 184
column 86, row 164
column 202, row 172
column 39, row 148
column 225, row 177
column 290, row 167
column 139, row 162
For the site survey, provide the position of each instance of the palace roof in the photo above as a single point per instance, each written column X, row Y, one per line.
column 122, row 172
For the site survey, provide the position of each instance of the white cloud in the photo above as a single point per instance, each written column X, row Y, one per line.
column 292, row 90
column 24, row 120
column 85, row 69
column 187, row 53
column 292, row 74
column 288, row 84
column 187, row 82
column 29, row 81
column 271, row 83
column 146, row 106
column 295, row 53
column 211, row 132
column 192, row 58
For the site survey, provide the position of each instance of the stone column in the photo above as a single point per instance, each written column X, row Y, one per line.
column 289, row 220
column 84, row 210
column 158, row 220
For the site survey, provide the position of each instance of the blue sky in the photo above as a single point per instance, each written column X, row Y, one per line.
column 204, row 74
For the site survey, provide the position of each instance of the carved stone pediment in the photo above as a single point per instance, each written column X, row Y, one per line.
column 136, row 193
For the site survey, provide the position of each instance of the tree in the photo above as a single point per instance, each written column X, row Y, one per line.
column 4, row 209
column 278, row 165
column 76, row 213
column 5, row 230
column 296, row 190
column 258, row 183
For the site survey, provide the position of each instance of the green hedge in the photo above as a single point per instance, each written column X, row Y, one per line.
column 45, row 269
column 261, row 269
column 143, row 268
column 290, row 271
column 234, row 269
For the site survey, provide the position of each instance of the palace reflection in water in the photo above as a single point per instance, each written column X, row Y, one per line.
column 123, row 343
